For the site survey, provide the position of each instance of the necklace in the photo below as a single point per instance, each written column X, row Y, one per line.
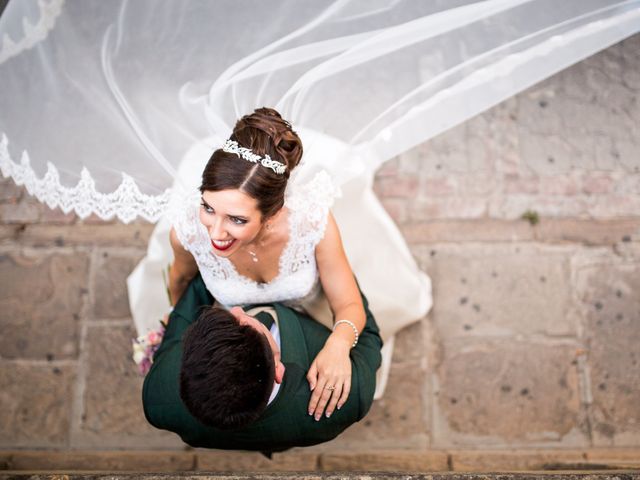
column 254, row 257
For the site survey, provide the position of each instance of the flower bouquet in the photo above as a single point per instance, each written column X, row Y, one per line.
column 145, row 346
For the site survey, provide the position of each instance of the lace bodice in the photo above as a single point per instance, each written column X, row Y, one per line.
column 297, row 279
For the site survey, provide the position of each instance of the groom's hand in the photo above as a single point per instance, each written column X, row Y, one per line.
column 330, row 368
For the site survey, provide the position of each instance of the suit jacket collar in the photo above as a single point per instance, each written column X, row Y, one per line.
column 293, row 354
column 293, row 347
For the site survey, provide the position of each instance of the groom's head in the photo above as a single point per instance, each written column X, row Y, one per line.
column 229, row 364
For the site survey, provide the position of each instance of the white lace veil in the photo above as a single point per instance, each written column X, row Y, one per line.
column 125, row 88
column 103, row 103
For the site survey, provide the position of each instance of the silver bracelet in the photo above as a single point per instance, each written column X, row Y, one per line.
column 350, row 323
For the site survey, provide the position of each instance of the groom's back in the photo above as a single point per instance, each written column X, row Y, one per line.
column 285, row 423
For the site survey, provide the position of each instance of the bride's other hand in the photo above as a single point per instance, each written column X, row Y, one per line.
column 330, row 368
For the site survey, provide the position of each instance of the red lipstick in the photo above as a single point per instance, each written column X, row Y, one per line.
column 222, row 249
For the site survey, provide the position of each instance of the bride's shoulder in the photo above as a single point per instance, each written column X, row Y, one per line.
column 309, row 204
column 314, row 196
column 183, row 215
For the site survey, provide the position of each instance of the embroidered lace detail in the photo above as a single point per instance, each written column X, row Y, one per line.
column 310, row 206
column 49, row 12
column 126, row 202
column 297, row 278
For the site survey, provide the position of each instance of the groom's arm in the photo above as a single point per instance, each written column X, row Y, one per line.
column 365, row 361
column 185, row 313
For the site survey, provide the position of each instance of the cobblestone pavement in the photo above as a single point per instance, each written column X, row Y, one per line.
column 526, row 218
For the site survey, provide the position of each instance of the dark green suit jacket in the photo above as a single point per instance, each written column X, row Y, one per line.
column 285, row 423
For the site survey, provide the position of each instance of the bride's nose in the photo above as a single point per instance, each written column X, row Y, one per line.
column 216, row 230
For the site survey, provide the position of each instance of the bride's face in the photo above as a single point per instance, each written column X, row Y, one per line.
column 232, row 219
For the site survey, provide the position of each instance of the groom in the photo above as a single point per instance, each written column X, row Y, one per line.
column 245, row 391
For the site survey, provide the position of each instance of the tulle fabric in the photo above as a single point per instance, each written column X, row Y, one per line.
column 128, row 87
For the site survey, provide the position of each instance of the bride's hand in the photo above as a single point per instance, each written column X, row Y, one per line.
column 330, row 368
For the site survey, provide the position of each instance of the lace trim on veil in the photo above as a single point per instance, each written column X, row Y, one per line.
column 126, row 202
column 49, row 12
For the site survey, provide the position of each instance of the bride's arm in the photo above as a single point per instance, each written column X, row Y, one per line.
column 332, row 366
column 183, row 269
column 338, row 282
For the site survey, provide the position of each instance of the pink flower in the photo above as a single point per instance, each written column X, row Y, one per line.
column 154, row 337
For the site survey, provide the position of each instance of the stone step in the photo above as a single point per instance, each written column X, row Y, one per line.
column 568, row 475
column 301, row 460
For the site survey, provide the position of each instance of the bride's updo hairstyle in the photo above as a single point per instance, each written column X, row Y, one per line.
column 265, row 132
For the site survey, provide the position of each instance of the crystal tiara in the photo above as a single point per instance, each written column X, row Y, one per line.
column 232, row 146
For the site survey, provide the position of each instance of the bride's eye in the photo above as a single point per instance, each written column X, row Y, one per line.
column 238, row 221
column 207, row 208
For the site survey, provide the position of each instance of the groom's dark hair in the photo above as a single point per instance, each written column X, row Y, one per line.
column 227, row 370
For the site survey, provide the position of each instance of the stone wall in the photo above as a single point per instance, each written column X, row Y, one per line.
column 526, row 218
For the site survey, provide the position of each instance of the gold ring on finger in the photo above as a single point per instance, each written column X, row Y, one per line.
column 330, row 388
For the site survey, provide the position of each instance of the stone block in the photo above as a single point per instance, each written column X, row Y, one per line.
column 35, row 404
column 133, row 235
column 398, row 420
column 233, row 461
column 508, row 393
column 443, row 154
column 477, row 184
column 112, row 461
column 561, row 185
column 614, row 456
column 538, row 113
column 8, row 233
column 112, row 414
column 385, row 461
column 608, row 290
column 515, row 460
column 10, row 192
column 598, row 183
column 24, row 210
column 588, row 232
column 474, row 230
column 439, row 186
column 612, row 206
column 552, row 154
column 516, row 184
column 514, row 206
column 464, row 207
column 501, row 290
column 397, row 187
column 109, row 289
column 410, row 343
column 41, row 302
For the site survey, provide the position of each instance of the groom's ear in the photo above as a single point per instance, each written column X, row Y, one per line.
column 279, row 372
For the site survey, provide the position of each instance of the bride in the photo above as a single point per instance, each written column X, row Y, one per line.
column 251, row 246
